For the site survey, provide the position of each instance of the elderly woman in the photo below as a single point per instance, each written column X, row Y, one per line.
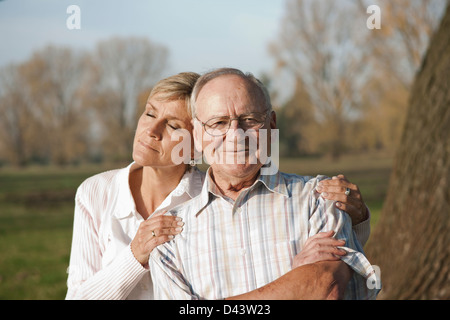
column 119, row 215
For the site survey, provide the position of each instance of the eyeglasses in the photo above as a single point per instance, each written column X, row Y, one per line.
column 219, row 126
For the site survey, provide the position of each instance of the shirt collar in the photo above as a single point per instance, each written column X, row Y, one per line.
column 191, row 183
column 274, row 183
column 125, row 206
column 208, row 191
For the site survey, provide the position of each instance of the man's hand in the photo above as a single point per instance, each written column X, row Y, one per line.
column 352, row 203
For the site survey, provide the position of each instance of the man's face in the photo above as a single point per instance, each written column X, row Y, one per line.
column 237, row 152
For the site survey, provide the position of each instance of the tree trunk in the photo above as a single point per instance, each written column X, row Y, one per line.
column 411, row 243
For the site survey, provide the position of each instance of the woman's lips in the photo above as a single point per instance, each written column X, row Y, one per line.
column 147, row 146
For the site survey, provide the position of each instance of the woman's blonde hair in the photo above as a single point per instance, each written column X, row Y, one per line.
column 176, row 87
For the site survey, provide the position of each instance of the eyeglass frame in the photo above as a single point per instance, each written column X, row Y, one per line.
column 266, row 113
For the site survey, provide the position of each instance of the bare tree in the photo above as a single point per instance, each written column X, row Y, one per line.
column 397, row 50
column 401, row 43
column 55, row 105
column 52, row 87
column 411, row 241
column 16, row 118
column 358, row 80
column 320, row 45
column 295, row 139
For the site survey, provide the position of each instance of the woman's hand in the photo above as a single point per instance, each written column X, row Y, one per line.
column 351, row 203
column 320, row 247
column 153, row 232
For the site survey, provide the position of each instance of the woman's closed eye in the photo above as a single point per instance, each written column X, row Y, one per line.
column 173, row 126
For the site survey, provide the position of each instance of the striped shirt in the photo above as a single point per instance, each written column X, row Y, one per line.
column 232, row 247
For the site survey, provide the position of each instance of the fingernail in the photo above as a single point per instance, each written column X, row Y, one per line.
column 325, row 194
column 319, row 188
column 171, row 237
column 178, row 229
column 181, row 223
column 178, row 219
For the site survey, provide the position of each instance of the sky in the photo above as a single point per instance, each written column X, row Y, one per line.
column 200, row 34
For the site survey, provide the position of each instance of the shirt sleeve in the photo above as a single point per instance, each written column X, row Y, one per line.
column 324, row 216
column 86, row 277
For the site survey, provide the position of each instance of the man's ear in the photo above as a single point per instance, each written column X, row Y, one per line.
column 197, row 132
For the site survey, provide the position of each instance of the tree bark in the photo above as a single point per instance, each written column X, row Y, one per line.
column 411, row 243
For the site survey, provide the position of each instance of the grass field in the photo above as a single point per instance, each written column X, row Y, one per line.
column 36, row 215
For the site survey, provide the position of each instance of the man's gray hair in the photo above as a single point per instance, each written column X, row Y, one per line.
column 205, row 78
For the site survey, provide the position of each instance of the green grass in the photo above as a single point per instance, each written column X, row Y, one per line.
column 36, row 215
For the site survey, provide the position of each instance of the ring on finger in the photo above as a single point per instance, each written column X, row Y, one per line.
column 347, row 191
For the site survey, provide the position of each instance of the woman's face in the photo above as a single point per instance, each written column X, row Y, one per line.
column 153, row 139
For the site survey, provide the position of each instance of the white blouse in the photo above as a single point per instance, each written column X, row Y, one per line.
column 102, row 265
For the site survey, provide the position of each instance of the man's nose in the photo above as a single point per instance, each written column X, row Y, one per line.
column 235, row 132
column 234, row 124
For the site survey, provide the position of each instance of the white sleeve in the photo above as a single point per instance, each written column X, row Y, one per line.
column 87, row 279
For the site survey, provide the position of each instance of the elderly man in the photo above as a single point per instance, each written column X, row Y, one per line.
column 243, row 232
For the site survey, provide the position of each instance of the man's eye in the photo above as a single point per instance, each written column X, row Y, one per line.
column 219, row 123
column 151, row 115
